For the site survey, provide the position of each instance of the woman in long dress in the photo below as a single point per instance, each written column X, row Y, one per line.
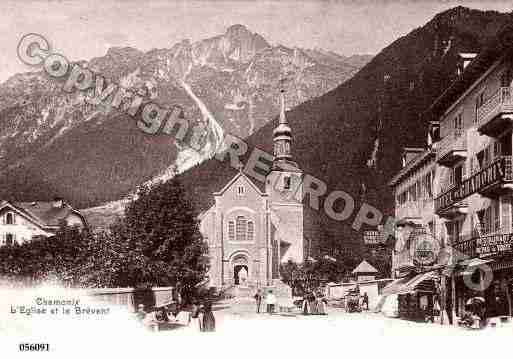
column 321, row 304
column 208, row 321
column 312, row 303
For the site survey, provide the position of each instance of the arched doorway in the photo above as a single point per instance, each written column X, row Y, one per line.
column 240, row 269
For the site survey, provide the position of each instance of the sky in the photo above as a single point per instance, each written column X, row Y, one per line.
column 86, row 29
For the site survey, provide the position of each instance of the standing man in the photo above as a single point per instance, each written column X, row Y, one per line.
column 270, row 300
column 258, row 298
column 365, row 301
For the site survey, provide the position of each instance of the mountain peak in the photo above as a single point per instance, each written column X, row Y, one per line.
column 237, row 29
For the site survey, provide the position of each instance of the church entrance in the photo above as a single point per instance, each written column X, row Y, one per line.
column 240, row 267
column 240, row 274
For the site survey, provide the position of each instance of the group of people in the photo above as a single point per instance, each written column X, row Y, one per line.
column 172, row 315
column 314, row 304
column 269, row 300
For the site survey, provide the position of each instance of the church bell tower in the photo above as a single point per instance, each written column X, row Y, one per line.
column 284, row 190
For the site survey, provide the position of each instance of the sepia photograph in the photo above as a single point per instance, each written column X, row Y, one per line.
column 256, row 178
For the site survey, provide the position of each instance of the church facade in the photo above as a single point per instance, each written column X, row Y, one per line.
column 254, row 227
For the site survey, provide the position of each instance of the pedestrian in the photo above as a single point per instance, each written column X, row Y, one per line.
column 258, row 299
column 141, row 313
column 208, row 321
column 321, row 304
column 306, row 305
column 195, row 316
column 365, row 302
column 270, row 300
column 312, row 303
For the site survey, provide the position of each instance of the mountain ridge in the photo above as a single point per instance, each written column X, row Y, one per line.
column 226, row 82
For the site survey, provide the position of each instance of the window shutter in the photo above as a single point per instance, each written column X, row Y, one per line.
column 506, row 214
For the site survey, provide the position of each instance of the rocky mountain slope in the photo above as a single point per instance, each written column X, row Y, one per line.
column 55, row 143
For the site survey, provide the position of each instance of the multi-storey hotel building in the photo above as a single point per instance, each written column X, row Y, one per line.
column 472, row 180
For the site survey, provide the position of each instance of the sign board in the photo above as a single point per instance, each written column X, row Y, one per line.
column 491, row 175
column 424, row 249
column 495, row 244
column 373, row 237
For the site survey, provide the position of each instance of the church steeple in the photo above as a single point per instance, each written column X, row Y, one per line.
column 282, row 135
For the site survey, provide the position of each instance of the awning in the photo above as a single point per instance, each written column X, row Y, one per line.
column 468, row 266
column 419, row 283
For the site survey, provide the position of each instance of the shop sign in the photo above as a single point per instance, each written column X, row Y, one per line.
column 496, row 244
column 484, row 178
column 373, row 237
column 425, row 249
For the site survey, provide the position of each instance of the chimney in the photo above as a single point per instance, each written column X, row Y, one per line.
column 464, row 59
column 409, row 153
column 58, row 202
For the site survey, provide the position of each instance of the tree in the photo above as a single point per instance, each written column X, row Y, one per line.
column 163, row 243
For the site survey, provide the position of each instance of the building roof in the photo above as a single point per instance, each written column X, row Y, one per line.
column 365, row 267
column 258, row 188
column 44, row 213
column 418, row 161
column 500, row 46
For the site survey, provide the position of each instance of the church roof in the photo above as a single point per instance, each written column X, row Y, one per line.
column 364, row 267
column 235, row 178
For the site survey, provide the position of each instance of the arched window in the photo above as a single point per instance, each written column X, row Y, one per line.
column 9, row 239
column 9, row 218
column 241, row 229
column 286, row 182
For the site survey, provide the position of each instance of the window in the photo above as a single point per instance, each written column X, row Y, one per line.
column 231, row 230
column 241, row 229
column 505, row 144
column 483, row 157
column 479, row 103
column 458, row 174
column 9, row 239
column 240, row 190
column 251, row 231
column 458, row 123
column 432, row 228
column 429, row 185
column 9, row 219
column 496, row 216
column 506, row 78
column 454, row 231
column 286, row 182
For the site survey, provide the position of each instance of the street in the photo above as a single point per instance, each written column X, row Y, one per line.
column 243, row 333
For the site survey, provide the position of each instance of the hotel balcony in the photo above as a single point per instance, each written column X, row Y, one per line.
column 453, row 210
column 413, row 211
column 495, row 115
column 452, row 148
column 495, row 179
column 491, row 181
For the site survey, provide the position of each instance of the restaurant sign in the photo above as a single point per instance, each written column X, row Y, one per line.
column 482, row 179
column 492, row 245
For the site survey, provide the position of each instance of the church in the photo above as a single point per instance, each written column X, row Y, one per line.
column 253, row 227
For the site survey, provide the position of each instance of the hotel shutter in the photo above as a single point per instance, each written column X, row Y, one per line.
column 496, row 216
column 506, row 214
